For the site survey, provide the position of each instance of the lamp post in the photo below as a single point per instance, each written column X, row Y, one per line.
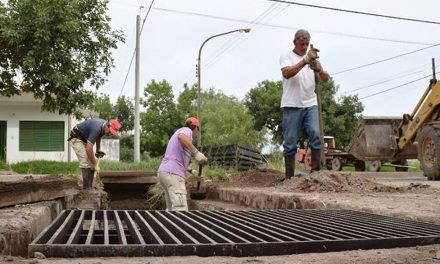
column 199, row 98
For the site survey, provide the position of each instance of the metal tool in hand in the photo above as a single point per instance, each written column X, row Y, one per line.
column 321, row 125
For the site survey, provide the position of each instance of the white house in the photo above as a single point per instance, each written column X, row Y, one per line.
column 27, row 133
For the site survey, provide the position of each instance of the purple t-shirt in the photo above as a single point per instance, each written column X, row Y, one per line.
column 176, row 158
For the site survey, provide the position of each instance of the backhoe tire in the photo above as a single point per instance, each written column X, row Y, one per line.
column 337, row 164
column 359, row 165
column 428, row 149
column 374, row 165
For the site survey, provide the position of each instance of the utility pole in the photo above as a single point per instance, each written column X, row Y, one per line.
column 137, row 137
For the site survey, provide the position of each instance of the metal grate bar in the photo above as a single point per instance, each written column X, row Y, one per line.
column 367, row 230
column 274, row 232
column 58, row 236
column 229, row 235
column 175, row 229
column 91, row 232
column 372, row 225
column 199, row 236
column 408, row 226
column 85, row 233
column 132, row 227
column 120, row 229
column 321, row 226
column 217, row 237
column 166, row 235
column 74, row 236
column 106, row 232
column 151, row 236
column 238, row 229
column 298, row 228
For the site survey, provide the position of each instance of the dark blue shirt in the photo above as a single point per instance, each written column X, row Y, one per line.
column 92, row 129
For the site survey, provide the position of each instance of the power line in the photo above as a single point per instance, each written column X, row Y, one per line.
column 286, row 27
column 381, row 82
column 134, row 51
column 239, row 38
column 357, row 12
column 395, row 87
column 387, row 59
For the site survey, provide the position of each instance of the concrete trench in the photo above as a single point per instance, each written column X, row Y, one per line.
column 20, row 224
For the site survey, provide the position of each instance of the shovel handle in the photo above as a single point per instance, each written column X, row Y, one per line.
column 199, row 179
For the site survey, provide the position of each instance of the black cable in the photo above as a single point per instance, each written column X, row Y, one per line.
column 395, row 87
column 285, row 27
column 387, row 59
column 357, row 12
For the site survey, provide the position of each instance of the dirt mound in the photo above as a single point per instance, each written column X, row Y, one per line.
column 323, row 181
column 329, row 181
column 255, row 178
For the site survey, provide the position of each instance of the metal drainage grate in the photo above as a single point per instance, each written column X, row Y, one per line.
column 81, row 233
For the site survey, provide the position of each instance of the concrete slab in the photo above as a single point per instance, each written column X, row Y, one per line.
column 22, row 189
column 131, row 177
column 19, row 225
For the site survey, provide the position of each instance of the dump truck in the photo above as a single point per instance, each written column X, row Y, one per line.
column 396, row 139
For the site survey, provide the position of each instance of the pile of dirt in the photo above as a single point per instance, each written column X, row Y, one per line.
column 323, row 181
column 330, row 181
column 254, row 178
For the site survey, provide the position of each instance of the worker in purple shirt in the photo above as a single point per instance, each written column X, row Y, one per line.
column 83, row 137
column 176, row 162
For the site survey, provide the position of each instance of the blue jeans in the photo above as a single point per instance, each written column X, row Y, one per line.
column 294, row 119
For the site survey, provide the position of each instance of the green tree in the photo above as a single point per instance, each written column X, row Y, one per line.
column 187, row 101
column 104, row 107
column 263, row 103
column 160, row 119
column 340, row 115
column 124, row 111
column 225, row 120
column 55, row 49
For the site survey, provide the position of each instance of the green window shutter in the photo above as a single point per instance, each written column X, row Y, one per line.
column 41, row 136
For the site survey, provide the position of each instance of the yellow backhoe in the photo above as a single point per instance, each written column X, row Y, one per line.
column 415, row 135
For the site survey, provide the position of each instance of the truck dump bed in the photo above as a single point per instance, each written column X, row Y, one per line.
column 376, row 139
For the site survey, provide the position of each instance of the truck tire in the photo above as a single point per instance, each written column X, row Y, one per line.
column 428, row 150
column 374, row 165
column 337, row 164
column 402, row 162
column 359, row 165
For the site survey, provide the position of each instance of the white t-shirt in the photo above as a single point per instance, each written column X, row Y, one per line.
column 299, row 90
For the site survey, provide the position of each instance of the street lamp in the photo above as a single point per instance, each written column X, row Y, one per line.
column 199, row 98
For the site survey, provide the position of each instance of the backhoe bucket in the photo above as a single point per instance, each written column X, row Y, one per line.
column 376, row 138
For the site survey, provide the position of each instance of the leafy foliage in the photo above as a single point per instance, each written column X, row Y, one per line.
column 53, row 48
column 187, row 101
column 160, row 119
column 339, row 115
column 225, row 120
column 263, row 103
column 124, row 111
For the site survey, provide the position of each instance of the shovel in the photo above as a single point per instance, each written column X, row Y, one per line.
column 197, row 194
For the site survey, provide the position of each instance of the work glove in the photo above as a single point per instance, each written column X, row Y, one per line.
column 193, row 171
column 99, row 154
column 200, row 158
column 311, row 55
column 315, row 65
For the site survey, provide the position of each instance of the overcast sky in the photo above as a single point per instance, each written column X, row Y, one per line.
column 175, row 29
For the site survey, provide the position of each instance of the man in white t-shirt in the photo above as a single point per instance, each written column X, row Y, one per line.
column 299, row 102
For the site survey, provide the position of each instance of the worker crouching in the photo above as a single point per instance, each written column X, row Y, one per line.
column 82, row 139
